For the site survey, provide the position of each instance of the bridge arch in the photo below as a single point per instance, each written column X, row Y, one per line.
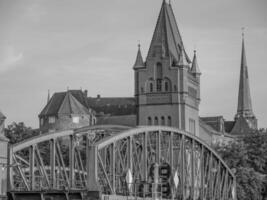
column 102, row 158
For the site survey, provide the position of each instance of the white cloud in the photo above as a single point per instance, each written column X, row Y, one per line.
column 9, row 58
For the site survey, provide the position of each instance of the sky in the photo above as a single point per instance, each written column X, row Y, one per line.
column 60, row 44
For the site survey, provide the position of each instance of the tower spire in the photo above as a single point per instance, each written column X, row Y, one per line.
column 195, row 68
column 244, row 99
column 245, row 120
column 48, row 96
column 139, row 63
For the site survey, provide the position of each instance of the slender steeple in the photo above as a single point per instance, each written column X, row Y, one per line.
column 244, row 107
column 48, row 96
column 245, row 120
column 139, row 63
column 195, row 68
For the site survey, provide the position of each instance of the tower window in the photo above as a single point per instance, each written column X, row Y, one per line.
column 163, row 121
column 192, row 126
column 149, row 121
column 159, row 73
column 166, row 86
column 169, row 121
column 51, row 119
column 156, row 121
column 151, row 87
column 159, row 81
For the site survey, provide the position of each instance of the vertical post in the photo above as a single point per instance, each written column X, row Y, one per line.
column 193, row 168
column 130, row 158
column 113, row 162
column 91, row 167
column 171, row 160
column 9, row 168
column 71, row 162
column 32, row 165
column 182, row 166
column 53, row 164
column 145, row 156
column 158, row 150
column 202, row 173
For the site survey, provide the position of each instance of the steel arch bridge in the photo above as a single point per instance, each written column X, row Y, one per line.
column 112, row 162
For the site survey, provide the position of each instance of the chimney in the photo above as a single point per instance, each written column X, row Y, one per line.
column 98, row 96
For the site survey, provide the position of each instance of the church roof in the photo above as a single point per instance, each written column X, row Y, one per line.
column 70, row 102
column 244, row 107
column 195, row 68
column 139, row 63
column 167, row 35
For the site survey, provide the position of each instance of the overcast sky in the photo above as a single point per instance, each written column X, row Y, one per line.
column 92, row 44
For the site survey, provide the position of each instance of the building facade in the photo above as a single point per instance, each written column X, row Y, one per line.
column 167, row 84
column 66, row 110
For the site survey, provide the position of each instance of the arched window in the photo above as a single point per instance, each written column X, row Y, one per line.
column 159, row 75
column 151, row 87
column 149, row 121
column 166, row 86
column 156, row 121
column 169, row 121
column 163, row 121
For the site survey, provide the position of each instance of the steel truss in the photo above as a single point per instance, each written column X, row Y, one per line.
column 100, row 159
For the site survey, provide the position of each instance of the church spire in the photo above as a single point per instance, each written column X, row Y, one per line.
column 244, row 99
column 139, row 63
column 195, row 68
column 48, row 96
column 167, row 40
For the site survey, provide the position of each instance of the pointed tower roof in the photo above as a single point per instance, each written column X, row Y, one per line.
column 139, row 63
column 2, row 116
column 70, row 102
column 167, row 35
column 244, row 107
column 195, row 68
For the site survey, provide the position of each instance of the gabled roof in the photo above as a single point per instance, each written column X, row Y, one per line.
column 70, row 102
column 167, row 35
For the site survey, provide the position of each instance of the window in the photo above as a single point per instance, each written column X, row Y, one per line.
column 159, row 73
column 156, row 121
column 51, row 119
column 75, row 119
column 149, row 121
column 169, row 121
column 142, row 90
column 151, row 87
column 163, row 121
column 166, row 86
column 42, row 121
column 159, row 81
column 192, row 126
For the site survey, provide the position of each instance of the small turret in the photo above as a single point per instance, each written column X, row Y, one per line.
column 139, row 63
column 195, row 68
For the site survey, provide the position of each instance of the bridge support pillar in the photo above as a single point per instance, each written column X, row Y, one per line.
column 93, row 189
column 3, row 159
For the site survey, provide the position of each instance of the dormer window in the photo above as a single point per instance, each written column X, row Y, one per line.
column 51, row 119
column 75, row 119
column 159, row 75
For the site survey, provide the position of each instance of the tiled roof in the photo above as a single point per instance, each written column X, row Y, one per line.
column 70, row 102
column 228, row 126
column 125, row 120
column 167, row 35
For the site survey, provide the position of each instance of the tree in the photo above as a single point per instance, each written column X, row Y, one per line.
column 17, row 132
column 248, row 156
